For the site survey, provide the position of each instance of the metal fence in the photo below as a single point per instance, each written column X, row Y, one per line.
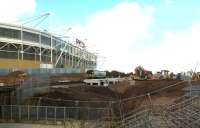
column 32, row 86
column 21, row 113
column 183, row 114
column 193, row 90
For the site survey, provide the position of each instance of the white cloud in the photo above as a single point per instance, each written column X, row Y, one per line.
column 168, row 2
column 12, row 10
column 178, row 51
column 115, row 30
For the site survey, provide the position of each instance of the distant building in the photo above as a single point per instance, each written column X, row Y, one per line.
column 102, row 82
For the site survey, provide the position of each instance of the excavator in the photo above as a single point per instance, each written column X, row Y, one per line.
column 164, row 75
column 142, row 74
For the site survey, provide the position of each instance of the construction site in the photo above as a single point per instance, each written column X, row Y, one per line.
column 47, row 81
column 46, row 98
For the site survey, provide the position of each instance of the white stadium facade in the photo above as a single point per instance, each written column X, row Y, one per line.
column 23, row 47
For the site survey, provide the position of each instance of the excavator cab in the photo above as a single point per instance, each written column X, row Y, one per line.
column 165, row 74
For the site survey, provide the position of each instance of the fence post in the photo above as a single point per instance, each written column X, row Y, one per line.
column 88, row 113
column 77, row 109
column 55, row 114
column 11, row 112
column 19, row 112
column 46, row 113
column 110, row 113
column 64, row 113
column 198, row 102
column 28, row 112
column 37, row 111
column 2, row 110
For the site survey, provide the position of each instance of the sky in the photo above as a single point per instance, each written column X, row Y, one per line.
column 156, row 34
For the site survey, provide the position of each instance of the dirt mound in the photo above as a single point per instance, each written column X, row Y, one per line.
column 143, row 87
column 67, row 78
column 86, row 96
column 17, row 74
column 13, row 78
column 81, row 93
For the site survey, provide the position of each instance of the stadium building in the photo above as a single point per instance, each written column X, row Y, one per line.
column 22, row 47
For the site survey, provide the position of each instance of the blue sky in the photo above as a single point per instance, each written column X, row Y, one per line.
column 170, row 15
column 175, row 15
column 157, row 34
column 73, row 11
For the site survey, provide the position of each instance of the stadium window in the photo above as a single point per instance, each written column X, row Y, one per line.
column 10, row 33
column 30, row 37
column 46, row 40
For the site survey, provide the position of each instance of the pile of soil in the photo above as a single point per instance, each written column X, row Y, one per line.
column 78, row 96
column 13, row 78
column 59, row 79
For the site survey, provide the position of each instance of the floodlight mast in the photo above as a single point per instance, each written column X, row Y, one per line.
column 29, row 20
column 41, row 18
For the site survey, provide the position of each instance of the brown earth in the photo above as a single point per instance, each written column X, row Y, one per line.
column 70, row 78
column 123, row 92
column 142, row 88
column 13, row 78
